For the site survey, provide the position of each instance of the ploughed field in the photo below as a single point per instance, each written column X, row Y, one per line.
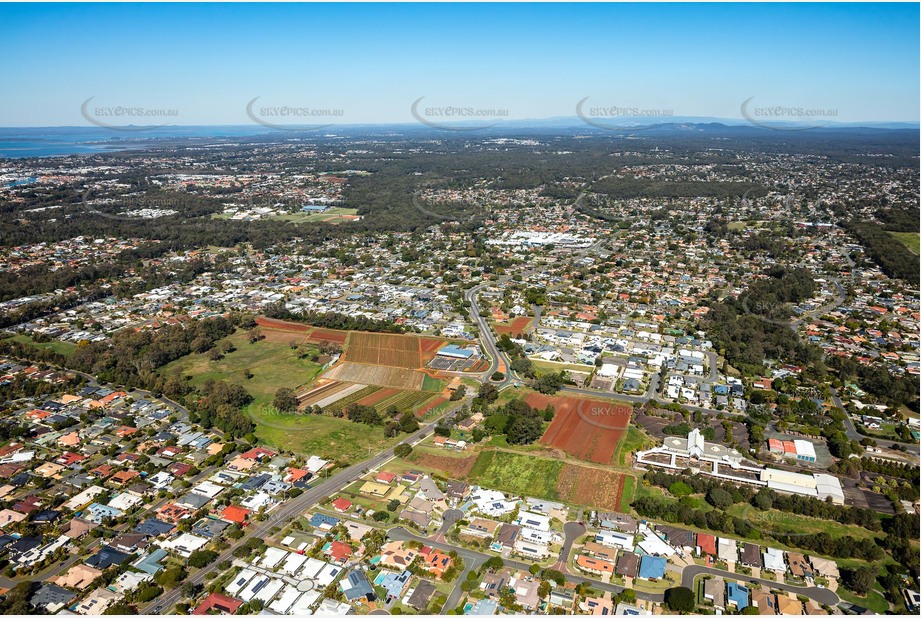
column 587, row 429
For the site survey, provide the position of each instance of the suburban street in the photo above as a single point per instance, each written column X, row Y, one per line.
column 290, row 509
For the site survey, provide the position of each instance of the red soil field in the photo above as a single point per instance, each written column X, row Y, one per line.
column 454, row 467
column 515, row 327
column 591, row 486
column 588, row 429
column 282, row 325
column 434, row 402
column 377, row 397
column 324, row 334
column 384, row 349
column 428, row 347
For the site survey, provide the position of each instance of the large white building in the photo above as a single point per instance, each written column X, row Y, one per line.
column 724, row 463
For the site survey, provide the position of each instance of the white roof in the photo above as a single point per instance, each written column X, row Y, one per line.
column 728, row 550
column 293, row 562
column 268, row 592
column 273, row 557
column 285, row 600
column 311, row 568
column 653, row 544
column 804, row 448
column 773, row 560
column 239, row 582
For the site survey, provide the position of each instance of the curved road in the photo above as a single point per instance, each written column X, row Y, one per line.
column 821, row 595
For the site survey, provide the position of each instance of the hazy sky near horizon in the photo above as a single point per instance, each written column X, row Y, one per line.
column 371, row 61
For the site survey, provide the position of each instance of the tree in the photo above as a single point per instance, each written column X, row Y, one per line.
column 498, row 376
column 201, row 558
column 680, row 599
column 524, row 429
column 393, row 505
column 719, row 498
column 488, row 392
column 121, row 609
column 493, row 563
column 860, row 580
column 402, row 450
column 459, row 393
column 285, row 401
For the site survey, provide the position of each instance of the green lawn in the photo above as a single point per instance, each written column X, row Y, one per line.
column 874, row 601
column 633, row 440
column 912, row 240
column 273, row 365
column 518, row 474
column 61, row 347
column 327, row 437
column 432, row 385
column 629, row 489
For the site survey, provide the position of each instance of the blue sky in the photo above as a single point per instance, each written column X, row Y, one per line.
column 538, row 60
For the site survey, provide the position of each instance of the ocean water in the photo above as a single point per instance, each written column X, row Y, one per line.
column 18, row 143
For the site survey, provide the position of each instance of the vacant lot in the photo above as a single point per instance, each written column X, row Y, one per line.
column 588, row 429
column 517, row 474
column 64, row 348
column 384, row 349
column 272, row 365
column 336, row 439
column 453, row 467
column 393, row 377
column 514, row 328
column 594, row 487
column 912, row 240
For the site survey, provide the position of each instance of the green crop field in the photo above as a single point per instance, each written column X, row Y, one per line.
column 518, row 474
column 350, row 399
column 404, row 400
column 433, row 385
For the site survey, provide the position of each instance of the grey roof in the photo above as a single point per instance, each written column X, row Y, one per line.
column 51, row 594
column 422, row 595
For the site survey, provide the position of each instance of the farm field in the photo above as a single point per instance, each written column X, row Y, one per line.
column 272, row 364
column 453, row 466
column 404, row 400
column 587, row 429
column 384, row 349
column 294, row 332
column 392, row 377
column 537, row 477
